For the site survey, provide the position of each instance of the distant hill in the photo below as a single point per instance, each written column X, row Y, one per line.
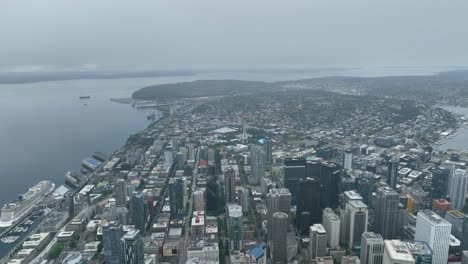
column 202, row 88
column 47, row 76
column 447, row 87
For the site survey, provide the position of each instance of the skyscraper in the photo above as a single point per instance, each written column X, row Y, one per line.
column 372, row 248
column 278, row 200
column 465, row 257
column 293, row 170
column 308, row 200
column 267, row 148
column 199, row 200
column 258, row 164
column 235, row 226
column 279, row 241
column 347, row 159
column 440, row 178
column 331, row 223
column 243, row 198
column 435, row 231
column 397, row 252
column 318, row 241
column 330, row 178
column 458, row 189
column 132, row 247
column 464, row 240
column 348, row 196
column 357, row 220
column 392, row 174
column 230, row 185
column 176, row 196
column 421, row 251
column 120, row 190
column 138, row 211
column 386, row 212
column 111, row 236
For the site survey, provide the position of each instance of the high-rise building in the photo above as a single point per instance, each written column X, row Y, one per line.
column 293, row 170
column 458, row 189
column 120, row 190
column 455, row 218
column 364, row 187
column 243, row 198
column 278, row 200
column 372, row 248
column 235, row 226
column 176, row 196
column 330, row 178
column 112, row 233
column 331, row 223
column 138, row 211
column 347, row 159
column 132, row 247
column 267, row 148
column 199, row 200
column 230, row 185
column 308, row 200
column 465, row 257
column 440, row 178
column 313, row 168
column 279, row 241
column 386, row 212
column 421, row 251
column 258, row 164
column 435, row 231
column 357, row 219
column 464, row 240
column 318, row 241
column 392, row 173
column 397, row 252
column 348, row 196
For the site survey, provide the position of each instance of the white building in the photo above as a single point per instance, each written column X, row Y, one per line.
column 348, row 160
column 318, row 241
column 372, row 248
column 397, row 252
column 435, row 231
column 203, row 252
column 357, row 218
column 331, row 223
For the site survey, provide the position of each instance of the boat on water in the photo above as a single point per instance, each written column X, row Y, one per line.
column 85, row 97
column 14, row 211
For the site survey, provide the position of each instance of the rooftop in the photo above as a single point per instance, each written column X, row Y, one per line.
column 330, row 214
column 419, row 248
column 353, row 195
column 318, row 228
column 455, row 214
column 432, row 217
column 398, row 250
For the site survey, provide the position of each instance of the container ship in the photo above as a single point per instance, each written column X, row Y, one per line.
column 16, row 210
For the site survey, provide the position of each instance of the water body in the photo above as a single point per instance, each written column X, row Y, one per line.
column 46, row 130
column 460, row 140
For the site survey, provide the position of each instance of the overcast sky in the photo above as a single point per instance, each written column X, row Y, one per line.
column 236, row 33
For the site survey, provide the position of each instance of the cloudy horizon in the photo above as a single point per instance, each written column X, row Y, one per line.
column 106, row 34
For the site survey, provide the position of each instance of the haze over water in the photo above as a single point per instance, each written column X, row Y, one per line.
column 45, row 130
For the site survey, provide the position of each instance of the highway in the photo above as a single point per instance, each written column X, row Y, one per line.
column 186, row 241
